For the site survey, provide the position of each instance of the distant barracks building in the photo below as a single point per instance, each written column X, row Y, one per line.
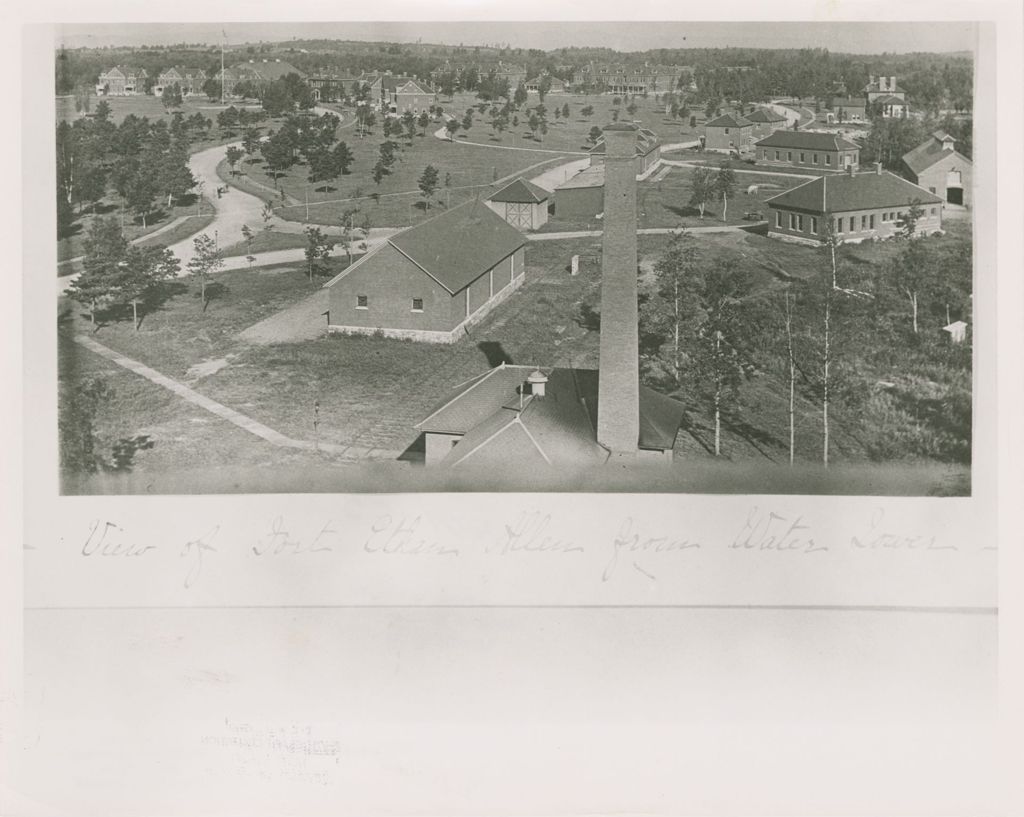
column 122, row 81
column 861, row 206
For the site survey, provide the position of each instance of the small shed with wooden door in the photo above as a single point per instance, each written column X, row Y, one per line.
column 522, row 204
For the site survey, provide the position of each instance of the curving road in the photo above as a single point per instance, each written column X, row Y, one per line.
column 237, row 208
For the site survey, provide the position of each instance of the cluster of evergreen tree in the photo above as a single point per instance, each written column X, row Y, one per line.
column 144, row 162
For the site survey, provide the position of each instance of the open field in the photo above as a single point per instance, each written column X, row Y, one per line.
column 572, row 134
column 143, row 105
column 397, row 201
column 665, row 203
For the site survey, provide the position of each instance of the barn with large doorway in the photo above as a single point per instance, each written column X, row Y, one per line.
column 940, row 168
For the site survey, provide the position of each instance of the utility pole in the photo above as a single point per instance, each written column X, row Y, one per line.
column 307, row 203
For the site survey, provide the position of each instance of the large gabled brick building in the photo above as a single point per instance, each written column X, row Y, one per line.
column 431, row 281
column 860, row 206
column 815, row 151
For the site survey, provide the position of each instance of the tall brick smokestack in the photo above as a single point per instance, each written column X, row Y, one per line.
column 618, row 411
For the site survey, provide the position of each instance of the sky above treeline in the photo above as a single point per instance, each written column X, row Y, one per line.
column 846, row 37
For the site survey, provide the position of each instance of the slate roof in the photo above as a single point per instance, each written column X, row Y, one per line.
column 765, row 115
column 806, row 140
column 843, row 192
column 501, row 426
column 889, row 98
column 454, row 248
column 521, row 191
column 729, row 121
column 927, row 154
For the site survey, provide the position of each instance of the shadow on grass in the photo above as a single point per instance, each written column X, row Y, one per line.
column 688, row 212
column 495, row 353
column 759, row 439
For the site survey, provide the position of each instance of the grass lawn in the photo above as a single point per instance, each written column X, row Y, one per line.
column 572, row 134
column 665, row 202
column 184, row 437
column 266, row 241
column 469, row 170
column 177, row 333
column 71, row 246
column 144, row 105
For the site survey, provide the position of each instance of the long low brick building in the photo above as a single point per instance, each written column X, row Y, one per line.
column 431, row 281
column 816, row 151
column 860, row 205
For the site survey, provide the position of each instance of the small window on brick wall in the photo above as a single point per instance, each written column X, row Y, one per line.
column 362, row 302
column 417, row 304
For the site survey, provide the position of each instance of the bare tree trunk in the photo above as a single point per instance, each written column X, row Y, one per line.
column 792, row 382
column 725, row 207
column 675, row 341
column 913, row 302
column 718, row 398
column 824, row 403
column 718, row 420
column 135, row 314
column 832, row 250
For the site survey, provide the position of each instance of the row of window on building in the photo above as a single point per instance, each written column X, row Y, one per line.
column 841, row 224
column 803, row 157
column 363, row 302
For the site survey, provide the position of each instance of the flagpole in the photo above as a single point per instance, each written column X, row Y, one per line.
column 225, row 36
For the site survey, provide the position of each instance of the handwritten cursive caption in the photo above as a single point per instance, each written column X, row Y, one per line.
column 636, row 544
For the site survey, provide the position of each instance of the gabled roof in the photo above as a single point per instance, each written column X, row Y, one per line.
column 765, row 115
column 848, row 102
column 411, row 86
column 844, row 192
column 125, row 71
column 521, row 191
column 729, row 121
column 928, row 153
column 806, row 140
column 889, row 98
column 454, row 248
column 501, row 425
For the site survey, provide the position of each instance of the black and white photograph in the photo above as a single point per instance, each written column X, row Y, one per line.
column 694, row 262
column 474, row 408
